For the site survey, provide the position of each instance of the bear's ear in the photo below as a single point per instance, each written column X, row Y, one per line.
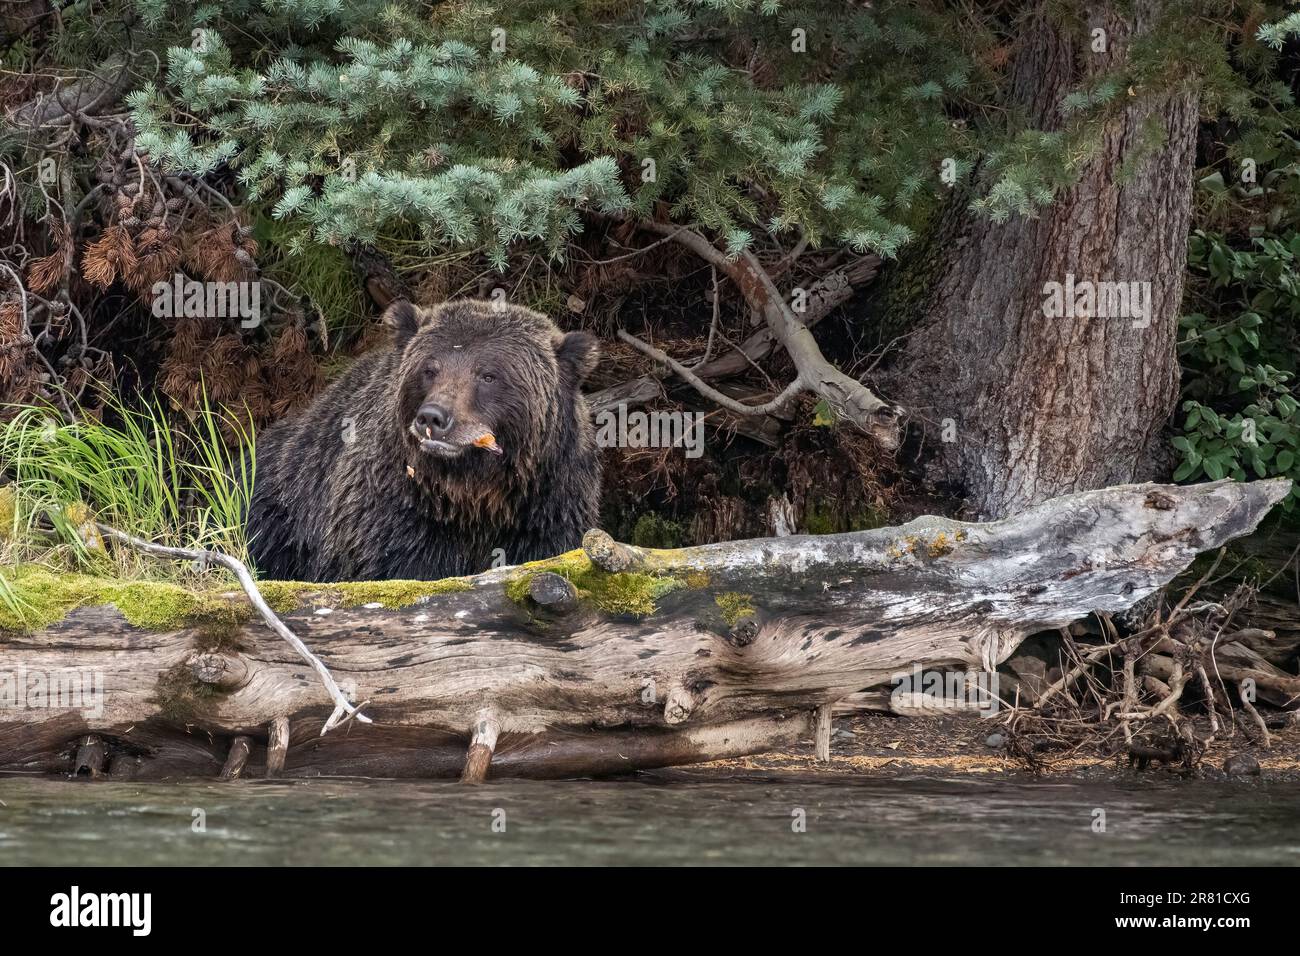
column 403, row 318
column 576, row 354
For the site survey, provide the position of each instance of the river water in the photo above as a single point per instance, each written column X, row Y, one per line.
column 1151, row 820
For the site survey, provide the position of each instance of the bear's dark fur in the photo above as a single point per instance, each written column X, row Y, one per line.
column 354, row 489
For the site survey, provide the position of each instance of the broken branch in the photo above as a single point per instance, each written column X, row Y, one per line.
column 342, row 706
column 712, row 394
column 847, row 397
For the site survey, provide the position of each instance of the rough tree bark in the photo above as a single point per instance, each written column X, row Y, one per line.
column 1046, row 406
column 599, row 661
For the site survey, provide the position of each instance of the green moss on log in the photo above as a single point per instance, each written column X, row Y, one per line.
column 396, row 593
column 624, row 592
column 43, row 597
column 286, row 596
column 734, row 606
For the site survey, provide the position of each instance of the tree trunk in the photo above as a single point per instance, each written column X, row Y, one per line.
column 598, row 661
column 1045, row 406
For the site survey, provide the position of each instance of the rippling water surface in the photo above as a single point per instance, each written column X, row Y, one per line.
column 846, row 821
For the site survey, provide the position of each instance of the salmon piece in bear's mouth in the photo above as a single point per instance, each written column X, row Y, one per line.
column 478, row 437
column 489, row 441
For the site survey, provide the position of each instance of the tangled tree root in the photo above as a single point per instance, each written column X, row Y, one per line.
column 1160, row 694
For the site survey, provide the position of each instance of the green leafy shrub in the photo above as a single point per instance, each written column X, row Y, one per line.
column 1239, row 356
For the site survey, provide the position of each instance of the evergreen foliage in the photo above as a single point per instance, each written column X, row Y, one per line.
column 488, row 127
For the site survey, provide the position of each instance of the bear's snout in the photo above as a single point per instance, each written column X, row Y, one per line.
column 433, row 420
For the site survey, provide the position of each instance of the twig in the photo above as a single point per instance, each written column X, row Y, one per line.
column 1250, row 709
column 713, row 326
column 636, row 252
column 342, row 706
column 1130, row 693
column 1208, row 689
column 712, row 394
column 1177, row 681
column 1074, row 673
column 22, row 295
column 192, row 194
column 1172, row 693
column 743, row 351
column 824, row 295
column 1195, row 587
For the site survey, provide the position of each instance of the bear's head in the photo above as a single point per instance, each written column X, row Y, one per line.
column 482, row 385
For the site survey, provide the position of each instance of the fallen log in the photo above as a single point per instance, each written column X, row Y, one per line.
column 606, row 659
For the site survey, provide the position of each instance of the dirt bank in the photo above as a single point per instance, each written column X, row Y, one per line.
column 880, row 745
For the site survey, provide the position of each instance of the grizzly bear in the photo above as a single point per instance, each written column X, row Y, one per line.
column 463, row 444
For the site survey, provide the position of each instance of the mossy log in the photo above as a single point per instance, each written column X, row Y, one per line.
column 604, row 659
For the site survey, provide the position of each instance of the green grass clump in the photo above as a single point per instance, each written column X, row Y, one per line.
column 181, row 486
column 653, row 531
column 322, row 273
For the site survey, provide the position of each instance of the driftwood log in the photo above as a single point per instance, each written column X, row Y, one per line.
column 603, row 660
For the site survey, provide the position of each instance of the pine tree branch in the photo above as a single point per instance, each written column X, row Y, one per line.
column 86, row 96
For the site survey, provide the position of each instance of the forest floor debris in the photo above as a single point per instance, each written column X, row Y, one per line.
column 883, row 745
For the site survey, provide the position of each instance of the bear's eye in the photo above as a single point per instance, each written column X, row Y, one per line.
column 487, row 378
